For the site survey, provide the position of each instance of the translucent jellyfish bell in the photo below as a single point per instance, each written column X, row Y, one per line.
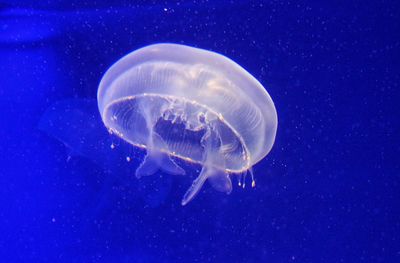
column 182, row 102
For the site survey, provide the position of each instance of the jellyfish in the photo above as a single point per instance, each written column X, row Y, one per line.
column 181, row 102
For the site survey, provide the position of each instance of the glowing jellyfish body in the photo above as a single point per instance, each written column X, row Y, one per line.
column 188, row 103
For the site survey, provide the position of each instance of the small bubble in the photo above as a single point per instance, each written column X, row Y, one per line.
column 112, row 146
column 128, row 159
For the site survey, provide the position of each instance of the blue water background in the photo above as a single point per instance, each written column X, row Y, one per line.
column 327, row 192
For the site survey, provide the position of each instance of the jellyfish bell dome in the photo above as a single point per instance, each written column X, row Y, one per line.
column 182, row 102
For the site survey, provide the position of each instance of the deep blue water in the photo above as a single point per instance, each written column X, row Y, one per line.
column 327, row 192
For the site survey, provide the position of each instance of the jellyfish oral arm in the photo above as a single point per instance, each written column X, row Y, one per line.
column 155, row 158
column 218, row 178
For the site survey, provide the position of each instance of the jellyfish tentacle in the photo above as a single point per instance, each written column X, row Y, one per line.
column 242, row 178
column 253, row 181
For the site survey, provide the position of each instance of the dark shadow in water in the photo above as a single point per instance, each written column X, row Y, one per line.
column 77, row 124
